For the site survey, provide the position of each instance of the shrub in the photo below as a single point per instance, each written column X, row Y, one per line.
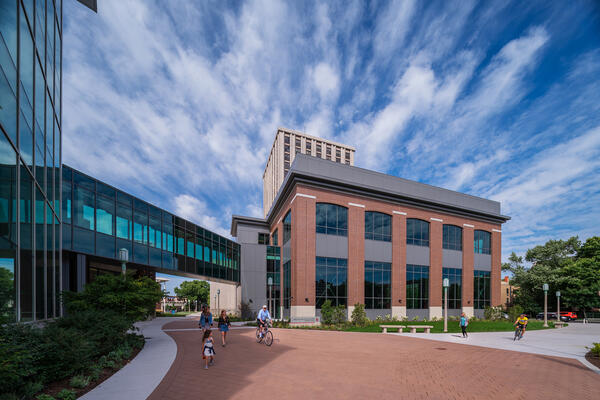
column 493, row 313
column 66, row 394
column 133, row 298
column 246, row 312
column 95, row 371
column 595, row 349
column 514, row 312
column 327, row 313
column 44, row 396
column 79, row 381
column 339, row 315
column 359, row 316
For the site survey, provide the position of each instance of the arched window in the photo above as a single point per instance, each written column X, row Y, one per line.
column 452, row 237
column 482, row 244
column 417, row 232
column 378, row 226
column 332, row 219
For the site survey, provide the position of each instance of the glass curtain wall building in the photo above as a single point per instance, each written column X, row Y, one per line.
column 98, row 220
column 30, row 153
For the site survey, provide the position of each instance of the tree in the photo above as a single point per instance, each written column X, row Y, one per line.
column 554, row 253
column 7, row 296
column 514, row 262
column 194, row 292
column 581, row 285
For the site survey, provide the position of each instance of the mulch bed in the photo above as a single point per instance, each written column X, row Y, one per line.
column 595, row 360
column 54, row 388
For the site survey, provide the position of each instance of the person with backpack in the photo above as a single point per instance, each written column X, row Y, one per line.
column 464, row 321
column 206, row 319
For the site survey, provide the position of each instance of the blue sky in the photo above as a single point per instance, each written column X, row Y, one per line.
column 178, row 102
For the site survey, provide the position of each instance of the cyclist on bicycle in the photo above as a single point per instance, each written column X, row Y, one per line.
column 521, row 322
column 262, row 318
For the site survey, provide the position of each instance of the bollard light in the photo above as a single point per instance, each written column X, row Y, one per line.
column 558, row 293
column 446, row 282
column 545, row 287
column 123, row 257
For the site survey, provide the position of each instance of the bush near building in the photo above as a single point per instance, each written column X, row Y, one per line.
column 94, row 335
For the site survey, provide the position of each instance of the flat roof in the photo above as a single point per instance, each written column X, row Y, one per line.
column 242, row 220
column 318, row 172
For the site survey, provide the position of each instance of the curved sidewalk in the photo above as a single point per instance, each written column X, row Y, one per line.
column 143, row 374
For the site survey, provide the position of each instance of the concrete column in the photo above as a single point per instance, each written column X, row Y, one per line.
column 435, row 269
column 356, row 257
column 303, row 257
column 399, row 265
column 495, row 284
column 467, row 271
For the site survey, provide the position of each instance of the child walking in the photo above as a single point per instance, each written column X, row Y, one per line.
column 207, row 348
column 463, row 324
column 224, row 325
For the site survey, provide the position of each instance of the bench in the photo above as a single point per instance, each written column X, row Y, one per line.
column 559, row 324
column 386, row 327
column 413, row 328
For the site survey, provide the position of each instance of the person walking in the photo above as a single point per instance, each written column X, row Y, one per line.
column 208, row 351
column 464, row 321
column 224, row 325
column 206, row 319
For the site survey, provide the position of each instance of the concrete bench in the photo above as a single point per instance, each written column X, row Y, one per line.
column 559, row 324
column 386, row 327
column 413, row 328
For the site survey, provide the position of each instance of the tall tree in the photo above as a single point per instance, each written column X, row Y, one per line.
column 194, row 292
column 581, row 284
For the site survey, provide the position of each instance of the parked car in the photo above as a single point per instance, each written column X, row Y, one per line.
column 568, row 315
column 551, row 316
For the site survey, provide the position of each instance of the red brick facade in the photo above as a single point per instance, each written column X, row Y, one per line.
column 302, row 201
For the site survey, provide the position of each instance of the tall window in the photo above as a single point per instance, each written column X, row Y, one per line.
column 331, row 281
column 482, row 242
column 378, row 226
column 481, row 285
column 417, row 286
column 275, row 238
column 287, row 227
column 454, row 275
column 287, row 284
column 104, row 215
column 332, row 219
column 378, row 285
column 263, row 238
column 417, row 232
column 452, row 237
column 273, row 271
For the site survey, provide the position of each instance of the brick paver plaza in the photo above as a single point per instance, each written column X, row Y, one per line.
column 304, row 364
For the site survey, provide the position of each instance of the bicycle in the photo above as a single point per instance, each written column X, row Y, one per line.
column 267, row 335
column 518, row 332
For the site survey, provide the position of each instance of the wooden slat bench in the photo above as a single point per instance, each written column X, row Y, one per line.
column 559, row 324
column 386, row 327
column 413, row 328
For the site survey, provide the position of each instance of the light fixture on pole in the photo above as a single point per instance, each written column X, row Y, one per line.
column 218, row 300
column 270, row 283
column 558, row 305
column 446, row 283
column 545, row 287
column 123, row 257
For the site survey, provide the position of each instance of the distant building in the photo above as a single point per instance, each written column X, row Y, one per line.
column 508, row 292
column 287, row 144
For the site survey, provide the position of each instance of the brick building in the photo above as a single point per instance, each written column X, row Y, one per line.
column 351, row 235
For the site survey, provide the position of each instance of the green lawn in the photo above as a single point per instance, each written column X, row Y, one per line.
column 438, row 326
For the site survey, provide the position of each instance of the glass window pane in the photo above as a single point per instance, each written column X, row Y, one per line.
column 84, row 208
column 104, row 215
column 124, row 221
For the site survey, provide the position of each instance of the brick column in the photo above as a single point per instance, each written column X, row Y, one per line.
column 303, row 258
column 356, row 256
column 399, row 265
column 467, row 271
column 495, row 284
column 435, row 269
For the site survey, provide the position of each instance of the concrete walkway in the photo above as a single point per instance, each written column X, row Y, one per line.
column 142, row 375
column 569, row 342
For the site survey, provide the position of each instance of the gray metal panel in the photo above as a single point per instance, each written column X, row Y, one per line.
column 249, row 234
column 451, row 258
column 482, row 262
column 411, row 313
column 382, row 182
column 372, row 314
column 376, row 250
column 417, row 255
column 253, row 275
column 331, row 246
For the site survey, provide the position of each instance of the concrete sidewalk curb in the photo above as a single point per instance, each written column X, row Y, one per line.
column 138, row 379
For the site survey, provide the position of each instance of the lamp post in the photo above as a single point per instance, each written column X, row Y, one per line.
column 545, row 287
column 270, row 283
column 218, row 300
column 558, row 306
column 446, row 283
column 123, row 257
